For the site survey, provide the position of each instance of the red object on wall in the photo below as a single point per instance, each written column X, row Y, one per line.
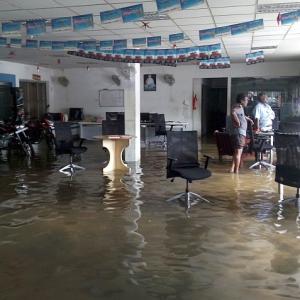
column 194, row 102
column 279, row 19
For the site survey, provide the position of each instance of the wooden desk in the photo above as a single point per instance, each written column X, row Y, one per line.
column 115, row 144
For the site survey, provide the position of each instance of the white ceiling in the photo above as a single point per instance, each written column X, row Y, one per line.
column 210, row 14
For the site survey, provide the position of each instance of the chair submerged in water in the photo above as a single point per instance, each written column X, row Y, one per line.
column 182, row 161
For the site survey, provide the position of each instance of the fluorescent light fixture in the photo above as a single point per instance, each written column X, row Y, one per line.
column 264, row 48
column 277, row 7
column 154, row 16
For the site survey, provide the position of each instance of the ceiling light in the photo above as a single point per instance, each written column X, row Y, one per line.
column 264, row 48
column 277, row 7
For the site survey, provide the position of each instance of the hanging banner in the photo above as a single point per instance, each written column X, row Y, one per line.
column 3, row 42
column 149, row 56
column 167, row 5
column 35, row 27
column 214, row 51
column 58, row 46
column 154, row 41
column 289, row 18
column 176, row 38
column 31, row 44
column 88, row 46
column 118, row 55
column 185, row 4
column 11, row 28
column 83, row 22
column 60, row 24
column 255, row 25
column 193, row 53
column 255, row 57
column 139, row 55
column 132, row 13
column 71, row 45
column 217, row 63
column 120, row 44
column 139, row 42
column 207, row 34
column 46, row 45
column 182, row 54
column 106, row 45
column 203, row 52
column 110, row 16
column 16, row 43
column 222, row 31
column 239, row 28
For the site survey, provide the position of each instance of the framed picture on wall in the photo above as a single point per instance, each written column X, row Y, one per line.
column 149, row 82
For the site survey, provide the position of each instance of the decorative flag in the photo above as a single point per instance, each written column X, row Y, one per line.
column 139, row 42
column 207, row 34
column 71, row 45
column 132, row 13
column 89, row 46
column 106, row 45
column 11, row 27
column 35, row 27
column 223, row 30
column 176, row 38
column 185, row 4
column 239, row 28
column 46, row 45
column 167, row 5
column 289, row 18
column 110, row 16
column 60, row 24
column 83, row 22
column 58, row 45
column 16, row 43
column 255, row 57
column 120, row 44
column 154, row 41
column 255, row 25
column 32, row 44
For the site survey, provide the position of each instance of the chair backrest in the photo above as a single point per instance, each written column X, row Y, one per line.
column 224, row 143
column 160, row 124
column 183, row 147
column 113, row 127
column 288, row 158
column 63, row 137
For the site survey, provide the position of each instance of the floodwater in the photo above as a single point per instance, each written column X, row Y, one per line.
column 114, row 236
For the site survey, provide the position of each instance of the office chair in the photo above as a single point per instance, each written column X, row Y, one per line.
column 113, row 127
column 160, row 127
column 182, row 161
column 259, row 146
column 224, row 144
column 288, row 162
column 64, row 144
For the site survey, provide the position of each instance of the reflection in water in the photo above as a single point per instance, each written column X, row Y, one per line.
column 113, row 236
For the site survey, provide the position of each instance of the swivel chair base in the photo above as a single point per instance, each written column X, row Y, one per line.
column 262, row 163
column 189, row 199
column 70, row 169
column 295, row 199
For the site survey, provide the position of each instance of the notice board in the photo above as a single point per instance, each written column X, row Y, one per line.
column 111, row 98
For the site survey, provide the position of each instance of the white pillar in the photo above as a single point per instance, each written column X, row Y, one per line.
column 132, row 97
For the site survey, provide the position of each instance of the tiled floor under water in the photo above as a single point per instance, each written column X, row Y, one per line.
column 114, row 236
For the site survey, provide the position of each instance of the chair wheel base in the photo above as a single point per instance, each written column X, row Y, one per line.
column 70, row 169
column 262, row 164
column 188, row 199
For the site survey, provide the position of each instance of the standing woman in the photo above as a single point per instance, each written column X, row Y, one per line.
column 238, row 130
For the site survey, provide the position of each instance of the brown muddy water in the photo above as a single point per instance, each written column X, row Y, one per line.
column 114, row 236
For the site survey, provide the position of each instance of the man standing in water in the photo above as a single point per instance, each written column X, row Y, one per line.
column 238, row 130
column 263, row 114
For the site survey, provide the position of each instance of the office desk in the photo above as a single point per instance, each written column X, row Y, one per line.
column 115, row 144
column 88, row 130
column 170, row 124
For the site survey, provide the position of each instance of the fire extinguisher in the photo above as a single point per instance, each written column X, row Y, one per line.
column 194, row 102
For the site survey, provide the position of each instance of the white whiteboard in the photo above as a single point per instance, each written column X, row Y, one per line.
column 111, row 98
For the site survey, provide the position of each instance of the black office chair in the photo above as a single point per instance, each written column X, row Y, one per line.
column 182, row 161
column 260, row 146
column 113, row 127
column 64, row 144
column 160, row 127
column 288, row 162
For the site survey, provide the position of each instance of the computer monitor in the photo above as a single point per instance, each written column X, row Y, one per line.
column 145, row 117
column 75, row 114
column 114, row 116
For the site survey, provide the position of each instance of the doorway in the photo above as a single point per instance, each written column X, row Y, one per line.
column 6, row 102
column 35, row 98
column 214, row 105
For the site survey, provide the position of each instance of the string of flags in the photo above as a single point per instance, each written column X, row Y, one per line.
column 288, row 18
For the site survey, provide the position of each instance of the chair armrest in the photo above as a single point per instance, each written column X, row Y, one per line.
column 206, row 160
column 81, row 142
column 170, row 161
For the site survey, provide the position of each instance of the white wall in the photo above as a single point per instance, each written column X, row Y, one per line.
column 176, row 101
column 56, row 93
